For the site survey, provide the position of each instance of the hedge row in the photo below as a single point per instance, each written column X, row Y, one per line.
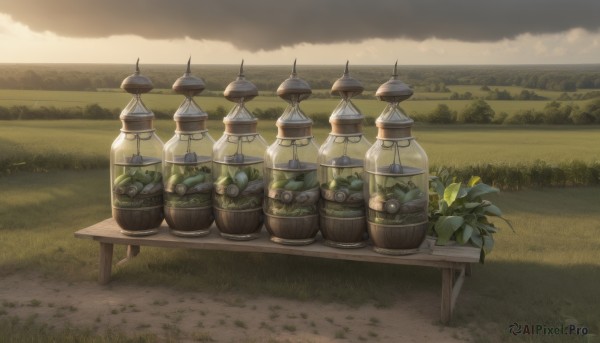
column 506, row 176
column 539, row 174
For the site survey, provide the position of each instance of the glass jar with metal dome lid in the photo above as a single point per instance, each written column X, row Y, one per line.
column 341, row 167
column 397, row 177
column 238, row 158
column 136, row 165
column 187, row 169
column 291, row 201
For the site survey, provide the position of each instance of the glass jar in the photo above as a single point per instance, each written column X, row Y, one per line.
column 238, row 165
column 135, row 159
column 341, row 168
column 397, row 182
column 187, row 170
column 291, row 201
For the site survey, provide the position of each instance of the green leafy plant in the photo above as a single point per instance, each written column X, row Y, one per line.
column 459, row 213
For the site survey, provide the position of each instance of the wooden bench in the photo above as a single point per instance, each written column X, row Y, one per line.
column 454, row 261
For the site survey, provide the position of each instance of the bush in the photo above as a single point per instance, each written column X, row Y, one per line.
column 537, row 174
column 441, row 115
column 479, row 111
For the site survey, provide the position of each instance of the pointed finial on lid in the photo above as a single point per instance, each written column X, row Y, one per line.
column 136, row 83
column 394, row 90
column 241, row 74
column 346, row 85
column 294, row 87
column 240, row 89
column 188, row 84
column 294, row 68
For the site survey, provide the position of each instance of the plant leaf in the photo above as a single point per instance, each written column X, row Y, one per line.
column 476, row 239
column 446, row 226
column 493, row 210
column 462, row 192
column 471, row 205
column 467, row 232
column 481, row 189
column 451, row 192
column 473, row 181
column 488, row 243
column 437, row 185
column 459, row 236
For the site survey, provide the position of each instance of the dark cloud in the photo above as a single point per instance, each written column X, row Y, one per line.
column 270, row 24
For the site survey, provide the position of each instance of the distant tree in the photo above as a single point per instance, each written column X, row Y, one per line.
column 564, row 97
column 556, row 113
column 497, row 94
column 525, row 117
column 579, row 117
column 593, row 109
column 442, row 115
column 478, row 111
column 94, row 111
column 485, row 88
column 499, row 118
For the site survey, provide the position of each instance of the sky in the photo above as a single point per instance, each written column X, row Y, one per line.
column 367, row 32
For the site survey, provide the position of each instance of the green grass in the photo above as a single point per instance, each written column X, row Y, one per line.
column 87, row 142
column 165, row 100
column 547, row 271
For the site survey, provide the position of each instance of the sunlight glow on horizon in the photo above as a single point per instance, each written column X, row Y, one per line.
column 21, row 45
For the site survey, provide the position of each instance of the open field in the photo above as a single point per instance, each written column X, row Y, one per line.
column 165, row 100
column 450, row 145
column 546, row 272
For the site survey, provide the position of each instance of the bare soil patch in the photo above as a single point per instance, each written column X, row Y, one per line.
column 197, row 317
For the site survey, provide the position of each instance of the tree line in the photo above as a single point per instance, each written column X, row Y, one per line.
column 84, row 77
column 477, row 112
column 480, row 112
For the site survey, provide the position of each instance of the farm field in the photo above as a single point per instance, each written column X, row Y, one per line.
column 165, row 100
column 449, row 145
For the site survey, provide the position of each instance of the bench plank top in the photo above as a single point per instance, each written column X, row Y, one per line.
column 107, row 231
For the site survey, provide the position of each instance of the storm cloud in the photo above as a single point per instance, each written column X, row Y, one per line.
column 270, row 24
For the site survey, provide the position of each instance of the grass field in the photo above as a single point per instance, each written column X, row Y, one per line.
column 545, row 272
column 165, row 100
column 450, row 145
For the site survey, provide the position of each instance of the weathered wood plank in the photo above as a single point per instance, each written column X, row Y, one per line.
column 457, row 286
column 446, row 307
column 106, row 254
column 107, row 231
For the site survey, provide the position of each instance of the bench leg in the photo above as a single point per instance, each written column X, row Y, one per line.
column 451, row 286
column 132, row 251
column 106, row 253
column 447, row 276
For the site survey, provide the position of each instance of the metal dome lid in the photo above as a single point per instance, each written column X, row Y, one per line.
column 188, row 84
column 136, row 117
column 293, row 123
column 137, row 83
column 294, row 88
column 240, row 89
column 347, row 86
column 189, row 117
column 394, row 90
column 346, row 119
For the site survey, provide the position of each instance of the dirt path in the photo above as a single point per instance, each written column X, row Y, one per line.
column 198, row 317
